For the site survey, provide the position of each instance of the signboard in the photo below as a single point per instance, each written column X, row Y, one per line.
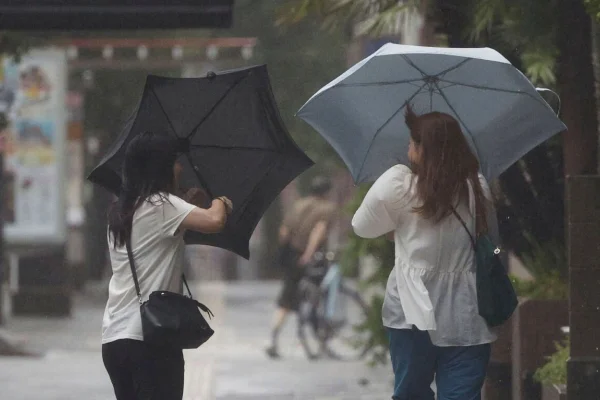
column 114, row 14
column 33, row 96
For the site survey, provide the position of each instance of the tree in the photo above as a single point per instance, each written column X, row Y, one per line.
column 593, row 8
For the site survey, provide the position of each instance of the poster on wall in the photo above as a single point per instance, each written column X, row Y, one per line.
column 33, row 98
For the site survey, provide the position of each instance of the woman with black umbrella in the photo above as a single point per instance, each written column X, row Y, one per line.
column 154, row 219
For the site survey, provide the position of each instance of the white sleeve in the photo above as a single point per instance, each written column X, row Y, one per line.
column 174, row 211
column 383, row 205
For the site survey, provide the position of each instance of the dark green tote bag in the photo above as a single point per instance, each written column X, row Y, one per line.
column 496, row 297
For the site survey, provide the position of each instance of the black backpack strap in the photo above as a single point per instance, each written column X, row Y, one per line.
column 464, row 226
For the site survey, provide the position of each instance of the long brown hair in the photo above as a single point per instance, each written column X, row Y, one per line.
column 445, row 167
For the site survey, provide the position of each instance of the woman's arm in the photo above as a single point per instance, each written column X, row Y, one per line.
column 380, row 210
column 210, row 220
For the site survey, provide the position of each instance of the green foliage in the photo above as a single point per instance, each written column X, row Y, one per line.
column 357, row 247
column 373, row 18
column 527, row 28
column 546, row 257
column 301, row 59
column 548, row 286
column 383, row 252
column 593, row 8
column 554, row 372
column 377, row 341
column 547, row 262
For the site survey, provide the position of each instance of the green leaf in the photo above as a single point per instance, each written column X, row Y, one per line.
column 554, row 372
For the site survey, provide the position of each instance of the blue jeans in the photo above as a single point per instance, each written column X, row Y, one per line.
column 459, row 371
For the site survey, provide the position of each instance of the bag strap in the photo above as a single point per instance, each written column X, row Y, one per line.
column 464, row 224
column 132, row 266
column 134, row 274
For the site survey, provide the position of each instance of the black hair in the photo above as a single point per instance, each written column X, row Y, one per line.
column 147, row 176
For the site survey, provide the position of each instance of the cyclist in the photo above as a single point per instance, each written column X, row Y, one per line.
column 303, row 233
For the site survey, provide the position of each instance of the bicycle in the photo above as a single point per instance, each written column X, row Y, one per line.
column 329, row 313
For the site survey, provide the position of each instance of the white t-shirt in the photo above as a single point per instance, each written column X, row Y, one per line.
column 158, row 250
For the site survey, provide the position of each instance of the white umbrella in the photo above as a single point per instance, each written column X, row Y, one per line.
column 360, row 113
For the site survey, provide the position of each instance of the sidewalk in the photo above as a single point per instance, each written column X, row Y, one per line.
column 231, row 366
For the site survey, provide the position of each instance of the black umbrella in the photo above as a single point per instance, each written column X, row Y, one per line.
column 232, row 139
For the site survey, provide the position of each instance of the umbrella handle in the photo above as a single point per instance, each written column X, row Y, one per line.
column 554, row 93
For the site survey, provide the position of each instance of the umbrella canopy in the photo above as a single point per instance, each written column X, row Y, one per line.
column 232, row 139
column 361, row 113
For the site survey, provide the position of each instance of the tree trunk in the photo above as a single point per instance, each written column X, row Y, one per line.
column 596, row 65
column 575, row 73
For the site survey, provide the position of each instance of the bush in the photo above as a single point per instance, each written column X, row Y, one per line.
column 554, row 372
column 548, row 264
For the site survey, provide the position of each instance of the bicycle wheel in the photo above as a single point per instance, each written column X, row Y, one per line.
column 341, row 338
column 309, row 319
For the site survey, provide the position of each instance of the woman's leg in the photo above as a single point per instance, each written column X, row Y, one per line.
column 169, row 367
column 114, row 356
column 157, row 372
column 413, row 361
column 461, row 371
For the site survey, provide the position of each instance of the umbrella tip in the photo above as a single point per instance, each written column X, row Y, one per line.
column 211, row 75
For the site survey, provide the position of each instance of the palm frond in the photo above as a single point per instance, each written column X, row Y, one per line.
column 293, row 11
column 540, row 64
column 484, row 14
column 387, row 22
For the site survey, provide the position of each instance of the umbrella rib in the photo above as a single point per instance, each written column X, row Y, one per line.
column 385, row 124
column 459, row 118
column 197, row 173
column 211, row 146
column 165, row 113
column 495, row 90
column 460, row 64
column 412, row 64
column 377, row 83
column 216, row 105
column 187, row 154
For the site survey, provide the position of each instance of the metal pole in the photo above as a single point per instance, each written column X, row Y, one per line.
column 3, row 126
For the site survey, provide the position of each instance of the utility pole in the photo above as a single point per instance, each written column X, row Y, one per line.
column 3, row 126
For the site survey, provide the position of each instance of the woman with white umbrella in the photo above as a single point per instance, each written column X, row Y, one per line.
column 430, row 308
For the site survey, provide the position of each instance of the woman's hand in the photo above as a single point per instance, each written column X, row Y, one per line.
column 228, row 204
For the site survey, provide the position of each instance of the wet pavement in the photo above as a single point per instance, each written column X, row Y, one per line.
column 231, row 366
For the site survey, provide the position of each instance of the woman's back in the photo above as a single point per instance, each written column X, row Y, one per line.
column 158, row 250
column 432, row 285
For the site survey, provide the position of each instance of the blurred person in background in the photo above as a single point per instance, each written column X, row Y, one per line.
column 303, row 233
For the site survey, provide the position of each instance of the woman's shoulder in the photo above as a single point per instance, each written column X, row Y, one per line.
column 398, row 172
column 164, row 199
column 397, row 176
column 395, row 182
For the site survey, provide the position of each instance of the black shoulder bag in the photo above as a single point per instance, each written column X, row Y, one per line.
column 171, row 319
column 496, row 297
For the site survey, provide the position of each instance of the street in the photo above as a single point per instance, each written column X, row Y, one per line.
column 231, row 366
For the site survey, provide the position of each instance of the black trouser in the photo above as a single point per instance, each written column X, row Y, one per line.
column 139, row 371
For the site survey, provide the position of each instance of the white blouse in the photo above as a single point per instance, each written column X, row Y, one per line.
column 432, row 285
